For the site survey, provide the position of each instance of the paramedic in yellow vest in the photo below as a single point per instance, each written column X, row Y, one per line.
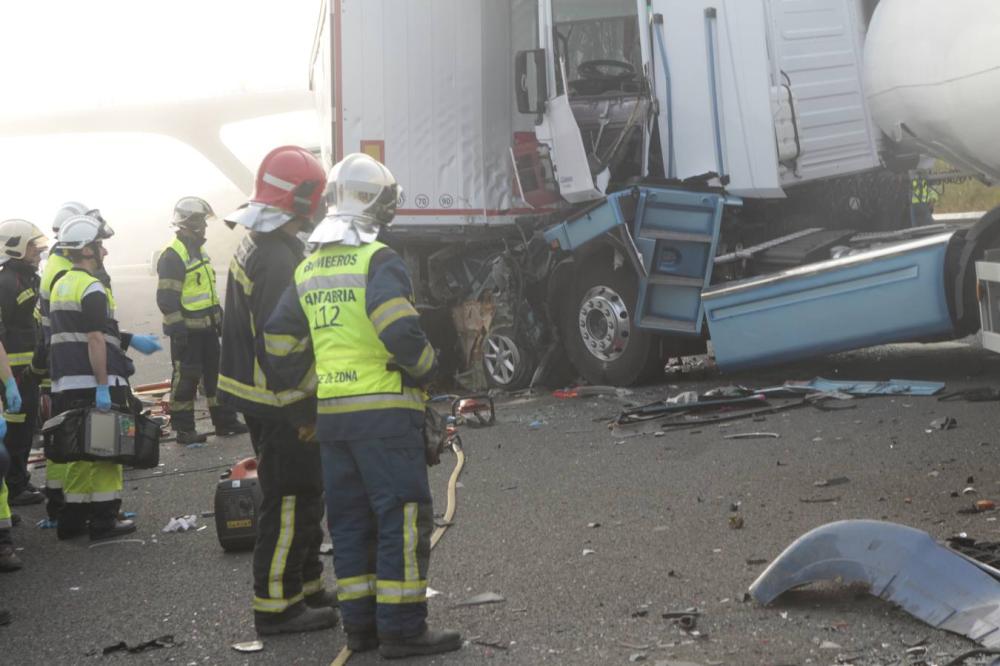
column 922, row 199
column 192, row 317
column 351, row 312
column 89, row 369
column 55, row 267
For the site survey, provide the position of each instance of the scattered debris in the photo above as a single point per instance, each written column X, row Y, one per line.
column 965, row 656
column 944, row 423
column 829, row 645
column 836, row 481
column 165, row 641
column 969, row 491
column 736, row 522
column 642, row 612
column 890, row 387
column 756, row 562
column 638, row 656
column 753, row 435
column 536, row 424
column 898, row 564
column 593, row 525
column 979, row 394
column 47, row 524
column 481, row 599
column 985, row 505
column 249, row 646
column 497, row 644
column 588, row 551
column 181, row 524
column 101, row 544
column 819, row 500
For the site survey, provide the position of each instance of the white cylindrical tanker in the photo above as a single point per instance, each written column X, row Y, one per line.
column 932, row 78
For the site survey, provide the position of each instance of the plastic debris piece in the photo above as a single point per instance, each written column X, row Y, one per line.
column 196, row 445
column 985, row 505
column 829, row 645
column 588, row 551
column 181, row 523
column 536, row 424
column 898, row 564
column 736, row 522
column 753, row 435
column 637, row 656
column 685, row 398
column 593, row 525
column 890, row 387
column 835, row 481
column 969, row 491
column 47, row 524
column 431, row 592
column 944, row 423
column 165, row 641
column 249, row 646
column 480, row 599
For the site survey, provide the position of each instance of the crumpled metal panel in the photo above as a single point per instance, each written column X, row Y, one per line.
column 901, row 565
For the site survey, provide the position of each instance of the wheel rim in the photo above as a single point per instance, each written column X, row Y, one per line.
column 501, row 358
column 604, row 322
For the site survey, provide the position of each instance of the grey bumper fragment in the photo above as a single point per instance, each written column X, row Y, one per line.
column 899, row 564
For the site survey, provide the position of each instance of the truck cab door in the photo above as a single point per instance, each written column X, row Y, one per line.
column 557, row 127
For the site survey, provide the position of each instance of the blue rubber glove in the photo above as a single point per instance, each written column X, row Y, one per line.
column 13, row 395
column 103, row 398
column 145, row 344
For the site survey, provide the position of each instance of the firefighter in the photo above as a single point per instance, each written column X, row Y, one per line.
column 9, row 560
column 288, row 588
column 22, row 245
column 89, row 368
column 55, row 266
column 352, row 303
column 192, row 317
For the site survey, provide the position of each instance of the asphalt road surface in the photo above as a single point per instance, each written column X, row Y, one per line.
column 589, row 535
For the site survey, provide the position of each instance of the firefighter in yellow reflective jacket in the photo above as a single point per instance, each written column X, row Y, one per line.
column 9, row 560
column 89, row 368
column 192, row 317
column 351, row 313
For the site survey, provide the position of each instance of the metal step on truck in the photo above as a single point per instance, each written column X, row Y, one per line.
column 617, row 182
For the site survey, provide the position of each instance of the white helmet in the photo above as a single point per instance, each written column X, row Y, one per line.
column 16, row 236
column 80, row 231
column 361, row 195
column 191, row 209
column 68, row 210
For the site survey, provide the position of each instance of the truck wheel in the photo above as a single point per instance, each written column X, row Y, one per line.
column 598, row 328
column 507, row 363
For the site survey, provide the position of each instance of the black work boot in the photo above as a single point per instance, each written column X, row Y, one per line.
column 9, row 561
column 321, row 599
column 191, row 437
column 229, row 429
column 361, row 639
column 310, row 619
column 104, row 523
column 430, row 642
column 28, row 496
column 72, row 521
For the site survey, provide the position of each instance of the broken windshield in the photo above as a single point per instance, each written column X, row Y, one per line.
column 599, row 42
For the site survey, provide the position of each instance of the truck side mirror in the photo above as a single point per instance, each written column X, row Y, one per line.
column 529, row 81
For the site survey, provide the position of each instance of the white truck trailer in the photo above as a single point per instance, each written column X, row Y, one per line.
column 619, row 180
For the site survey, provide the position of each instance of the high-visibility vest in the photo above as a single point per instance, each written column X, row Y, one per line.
column 922, row 192
column 199, row 301
column 68, row 346
column 352, row 365
column 54, row 265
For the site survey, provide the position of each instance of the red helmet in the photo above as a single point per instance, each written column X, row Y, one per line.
column 290, row 183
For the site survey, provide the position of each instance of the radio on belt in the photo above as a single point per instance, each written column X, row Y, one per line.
column 237, row 506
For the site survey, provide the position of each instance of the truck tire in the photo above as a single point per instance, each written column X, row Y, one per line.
column 598, row 329
column 507, row 362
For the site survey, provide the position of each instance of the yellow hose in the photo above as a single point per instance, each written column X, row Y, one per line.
column 449, row 513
